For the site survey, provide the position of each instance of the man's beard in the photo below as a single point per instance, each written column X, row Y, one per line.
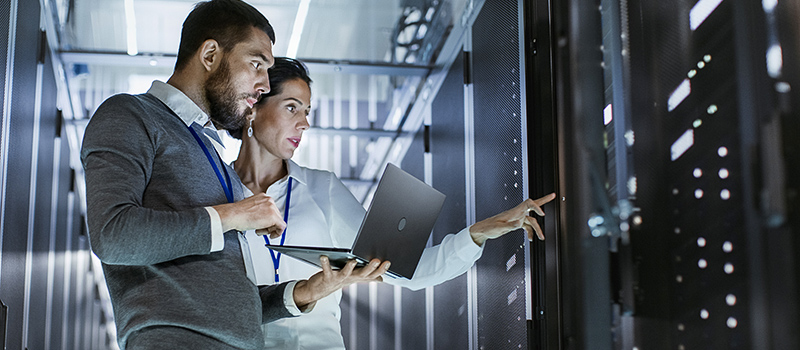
column 222, row 100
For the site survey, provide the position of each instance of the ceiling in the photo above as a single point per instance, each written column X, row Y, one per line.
column 333, row 29
column 368, row 59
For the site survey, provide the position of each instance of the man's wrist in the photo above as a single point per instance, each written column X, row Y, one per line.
column 303, row 297
column 288, row 301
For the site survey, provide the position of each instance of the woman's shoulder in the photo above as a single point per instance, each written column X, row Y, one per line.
column 316, row 178
column 306, row 173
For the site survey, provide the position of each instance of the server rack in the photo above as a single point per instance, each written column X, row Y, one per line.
column 673, row 126
column 694, row 196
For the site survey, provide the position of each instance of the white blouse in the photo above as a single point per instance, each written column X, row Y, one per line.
column 323, row 212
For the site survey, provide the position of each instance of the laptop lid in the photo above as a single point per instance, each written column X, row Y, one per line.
column 399, row 221
column 396, row 228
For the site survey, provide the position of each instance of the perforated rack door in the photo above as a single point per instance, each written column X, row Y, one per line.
column 499, row 181
column 4, row 19
column 451, row 301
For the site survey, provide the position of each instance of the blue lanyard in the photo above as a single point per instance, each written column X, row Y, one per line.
column 228, row 189
column 276, row 257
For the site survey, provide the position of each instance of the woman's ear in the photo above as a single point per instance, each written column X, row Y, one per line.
column 250, row 117
column 210, row 54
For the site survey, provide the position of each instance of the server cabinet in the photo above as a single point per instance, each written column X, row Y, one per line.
column 47, row 284
column 501, row 173
column 694, row 143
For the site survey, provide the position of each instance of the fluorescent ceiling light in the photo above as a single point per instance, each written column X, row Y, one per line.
column 130, row 23
column 297, row 28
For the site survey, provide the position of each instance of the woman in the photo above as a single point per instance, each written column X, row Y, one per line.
column 323, row 212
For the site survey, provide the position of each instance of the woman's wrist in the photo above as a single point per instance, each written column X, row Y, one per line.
column 477, row 235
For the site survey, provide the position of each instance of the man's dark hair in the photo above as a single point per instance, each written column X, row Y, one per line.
column 283, row 70
column 226, row 21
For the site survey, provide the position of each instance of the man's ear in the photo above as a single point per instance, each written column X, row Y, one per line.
column 210, row 54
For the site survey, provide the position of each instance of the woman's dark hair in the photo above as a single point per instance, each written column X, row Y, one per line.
column 226, row 21
column 284, row 69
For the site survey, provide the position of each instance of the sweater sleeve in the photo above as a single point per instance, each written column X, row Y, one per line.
column 118, row 154
column 277, row 302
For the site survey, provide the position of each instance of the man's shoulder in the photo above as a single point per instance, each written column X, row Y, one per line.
column 122, row 110
column 135, row 104
column 129, row 117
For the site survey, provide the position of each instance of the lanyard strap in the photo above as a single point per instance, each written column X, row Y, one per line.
column 228, row 189
column 276, row 257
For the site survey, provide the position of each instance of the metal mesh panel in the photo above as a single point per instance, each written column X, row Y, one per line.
column 19, row 155
column 447, row 148
column 498, row 173
column 5, row 9
column 38, row 316
column 63, row 173
column 414, row 329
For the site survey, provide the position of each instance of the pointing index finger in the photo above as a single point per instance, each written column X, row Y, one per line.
column 546, row 199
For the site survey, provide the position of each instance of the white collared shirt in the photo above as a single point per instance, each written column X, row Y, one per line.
column 323, row 212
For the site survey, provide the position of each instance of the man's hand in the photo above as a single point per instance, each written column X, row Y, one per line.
column 511, row 220
column 256, row 212
column 327, row 281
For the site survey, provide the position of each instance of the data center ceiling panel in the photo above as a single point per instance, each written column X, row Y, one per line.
column 367, row 59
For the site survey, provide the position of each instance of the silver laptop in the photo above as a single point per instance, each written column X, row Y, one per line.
column 396, row 228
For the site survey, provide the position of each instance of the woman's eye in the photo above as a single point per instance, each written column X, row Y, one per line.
column 291, row 108
column 256, row 65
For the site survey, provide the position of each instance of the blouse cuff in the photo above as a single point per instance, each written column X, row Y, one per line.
column 465, row 246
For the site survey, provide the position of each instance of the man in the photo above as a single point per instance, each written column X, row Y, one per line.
column 166, row 215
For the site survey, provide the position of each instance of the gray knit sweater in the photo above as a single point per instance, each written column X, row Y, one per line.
column 147, row 181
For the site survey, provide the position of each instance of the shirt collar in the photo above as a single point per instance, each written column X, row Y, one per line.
column 295, row 171
column 188, row 111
